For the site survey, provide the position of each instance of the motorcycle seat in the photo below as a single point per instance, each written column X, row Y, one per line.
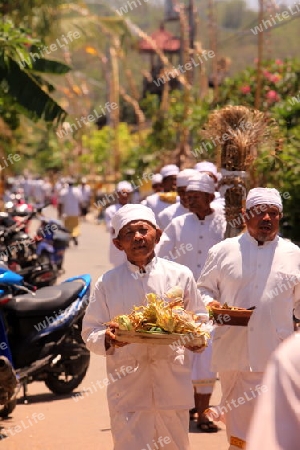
column 47, row 299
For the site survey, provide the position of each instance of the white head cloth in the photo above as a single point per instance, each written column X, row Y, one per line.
column 169, row 170
column 184, row 176
column 207, row 166
column 128, row 213
column 124, row 186
column 201, row 182
column 156, row 179
column 263, row 196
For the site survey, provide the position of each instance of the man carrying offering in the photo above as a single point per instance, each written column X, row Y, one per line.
column 150, row 399
column 256, row 269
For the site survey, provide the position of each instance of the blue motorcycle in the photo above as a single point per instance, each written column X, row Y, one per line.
column 40, row 333
column 52, row 241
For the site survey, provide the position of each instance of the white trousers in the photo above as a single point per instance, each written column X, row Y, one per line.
column 151, row 430
column 203, row 378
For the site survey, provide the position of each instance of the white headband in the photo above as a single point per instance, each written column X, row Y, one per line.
column 207, row 166
column 128, row 213
column 263, row 196
column 201, row 182
column 124, row 186
column 156, row 179
column 184, row 176
column 169, row 170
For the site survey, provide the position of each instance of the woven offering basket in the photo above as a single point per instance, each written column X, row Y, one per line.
column 235, row 317
column 147, row 337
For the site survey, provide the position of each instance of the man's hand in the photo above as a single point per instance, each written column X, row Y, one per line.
column 214, row 303
column 195, row 349
column 110, row 337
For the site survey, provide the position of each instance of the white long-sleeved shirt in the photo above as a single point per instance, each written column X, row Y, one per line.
column 70, row 199
column 156, row 204
column 241, row 273
column 169, row 213
column 86, row 193
column 160, row 376
column 187, row 239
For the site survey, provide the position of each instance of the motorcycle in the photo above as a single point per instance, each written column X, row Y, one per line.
column 42, row 333
column 52, row 241
column 19, row 251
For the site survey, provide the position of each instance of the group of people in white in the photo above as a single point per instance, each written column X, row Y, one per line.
column 157, row 396
column 72, row 201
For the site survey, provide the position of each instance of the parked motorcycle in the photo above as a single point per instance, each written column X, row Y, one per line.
column 19, row 251
column 52, row 241
column 42, row 333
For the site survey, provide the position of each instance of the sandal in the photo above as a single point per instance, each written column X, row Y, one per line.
column 193, row 414
column 208, row 427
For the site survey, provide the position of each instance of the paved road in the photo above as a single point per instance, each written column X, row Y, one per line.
column 49, row 422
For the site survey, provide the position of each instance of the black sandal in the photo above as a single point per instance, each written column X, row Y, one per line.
column 208, row 427
column 193, row 414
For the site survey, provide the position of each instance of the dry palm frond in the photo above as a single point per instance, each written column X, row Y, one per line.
column 240, row 132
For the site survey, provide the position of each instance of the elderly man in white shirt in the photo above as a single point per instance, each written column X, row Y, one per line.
column 178, row 208
column 161, row 200
column 152, row 392
column 123, row 192
column 187, row 240
column 256, row 269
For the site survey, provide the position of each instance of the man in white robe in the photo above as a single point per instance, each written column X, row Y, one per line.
column 187, row 240
column 161, row 200
column 152, row 392
column 178, row 208
column 256, row 269
column 124, row 191
column 276, row 420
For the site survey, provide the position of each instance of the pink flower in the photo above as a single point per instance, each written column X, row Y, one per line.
column 272, row 96
column 266, row 73
column 278, row 62
column 274, row 77
column 246, row 89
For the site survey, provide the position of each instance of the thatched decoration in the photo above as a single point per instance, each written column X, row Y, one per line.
column 239, row 132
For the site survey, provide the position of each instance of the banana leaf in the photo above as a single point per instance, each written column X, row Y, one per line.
column 24, row 88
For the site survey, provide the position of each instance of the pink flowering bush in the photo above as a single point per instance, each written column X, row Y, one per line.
column 280, row 81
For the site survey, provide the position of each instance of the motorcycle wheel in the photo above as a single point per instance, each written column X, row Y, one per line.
column 7, row 409
column 45, row 259
column 70, row 371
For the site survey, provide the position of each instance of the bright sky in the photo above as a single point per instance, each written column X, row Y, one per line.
column 254, row 3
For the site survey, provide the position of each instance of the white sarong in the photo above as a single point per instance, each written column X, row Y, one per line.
column 240, row 391
column 149, row 430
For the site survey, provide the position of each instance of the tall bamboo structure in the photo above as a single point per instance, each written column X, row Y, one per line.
column 240, row 133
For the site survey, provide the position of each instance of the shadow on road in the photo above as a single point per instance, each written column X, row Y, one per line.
column 41, row 398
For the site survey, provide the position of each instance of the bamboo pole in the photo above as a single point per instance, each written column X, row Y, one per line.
column 115, row 113
column 260, row 44
column 214, row 47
